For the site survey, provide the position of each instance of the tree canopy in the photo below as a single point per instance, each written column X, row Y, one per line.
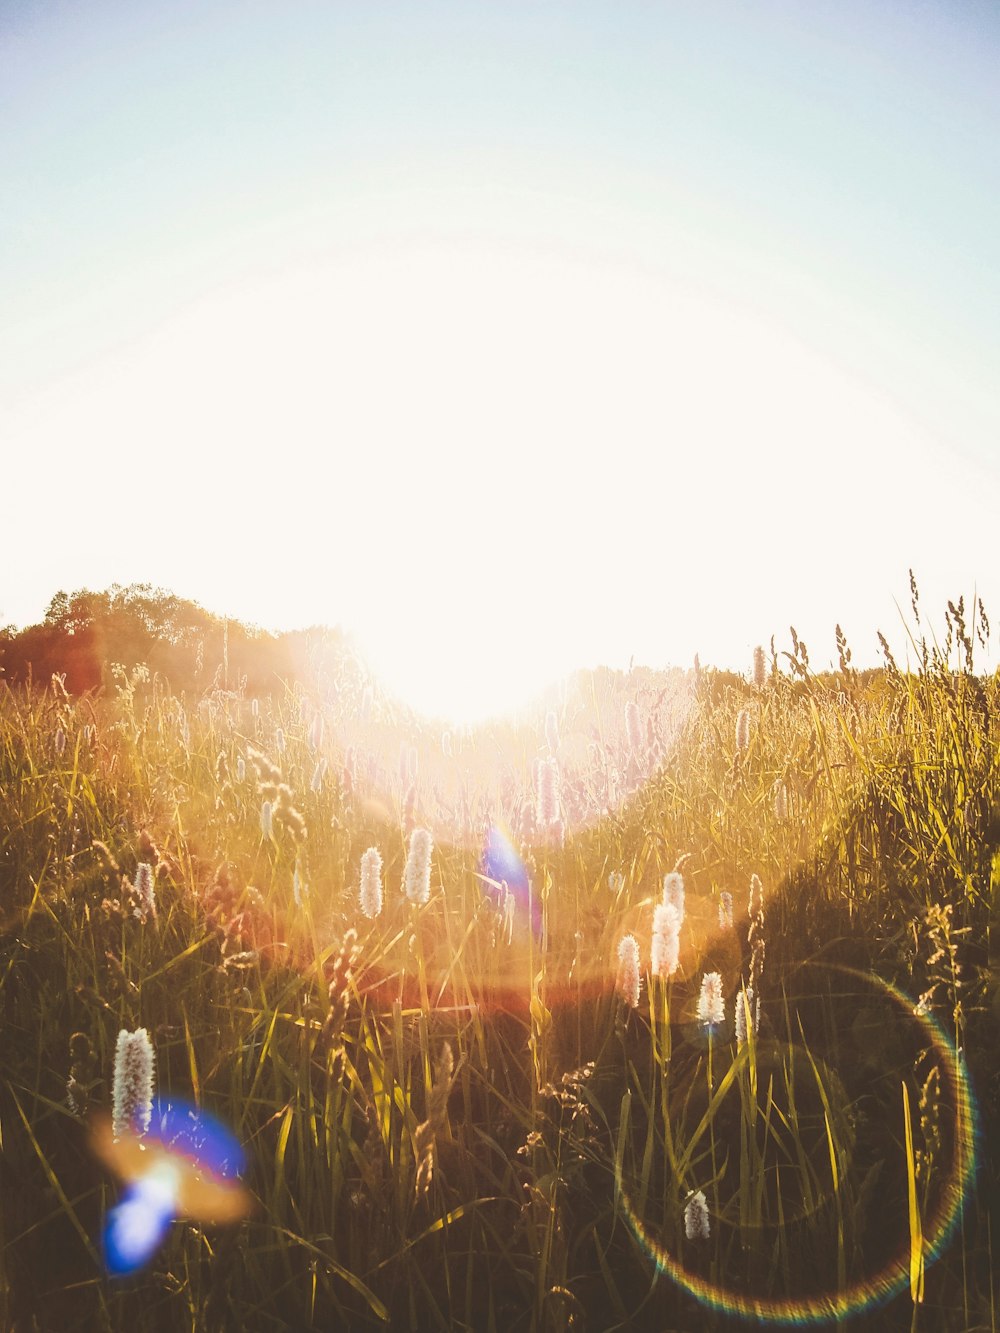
column 84, row 633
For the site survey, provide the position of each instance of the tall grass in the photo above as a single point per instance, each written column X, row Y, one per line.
column 453, row 1116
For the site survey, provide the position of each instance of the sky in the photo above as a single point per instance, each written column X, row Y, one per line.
column 511, row 338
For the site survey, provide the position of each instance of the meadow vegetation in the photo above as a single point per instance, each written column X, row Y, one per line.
column 459, row 1104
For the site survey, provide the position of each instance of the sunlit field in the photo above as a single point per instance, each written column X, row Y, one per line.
column 670, row 1003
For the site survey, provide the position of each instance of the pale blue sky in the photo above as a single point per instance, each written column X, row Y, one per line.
column 585, row 309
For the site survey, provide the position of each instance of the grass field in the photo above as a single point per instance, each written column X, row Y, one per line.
column 453, row 1115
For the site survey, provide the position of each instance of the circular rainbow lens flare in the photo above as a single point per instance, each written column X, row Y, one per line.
column 893, row 1276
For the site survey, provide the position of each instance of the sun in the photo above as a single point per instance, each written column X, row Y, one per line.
column 491, row 463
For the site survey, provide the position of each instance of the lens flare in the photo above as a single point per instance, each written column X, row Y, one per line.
column 894, row 1276
column 138, row 1225
column 186, row 1165
column 501, row 865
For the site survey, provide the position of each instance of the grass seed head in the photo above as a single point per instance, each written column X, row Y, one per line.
column 371, row 883
column 132, row 1085
column 142, row 889
column 425, row 1135
column 711, row 1004
column 743, row 730
column 664, row 954
column 696, row 1226
column 725, row 910
column 747, row 1005
column 417, row 875
column 673, row 894
column 759, row 667
column 628, row 981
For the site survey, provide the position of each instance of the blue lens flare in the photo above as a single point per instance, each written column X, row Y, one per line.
column 182, row 1128
column 137, row 1227
column 501, row 865
column 186, row 1165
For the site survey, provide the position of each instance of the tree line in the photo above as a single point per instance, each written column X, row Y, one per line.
column 84, row 633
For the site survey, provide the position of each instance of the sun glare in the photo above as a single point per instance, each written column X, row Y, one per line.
column 460, row 676
column 477, row 458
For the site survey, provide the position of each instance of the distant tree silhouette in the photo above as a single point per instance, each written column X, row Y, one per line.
column 83, row 633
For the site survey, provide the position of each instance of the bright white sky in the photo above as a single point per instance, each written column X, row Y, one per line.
column 511, row 338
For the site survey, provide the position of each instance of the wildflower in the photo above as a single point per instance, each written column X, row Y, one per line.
column 633, row 728
column 711, row 1005
column 317, row 778
column 417, row 875
column 266, row 823
column 758, row 667
column 616, row 882
column 780, row 800
column 279, row 741
column 60, row 741
column 628, row 981
column 673, row 894
column 371, row 883
column 725, row 910
column 132, row 1086
column 255, row 707
column 665, row 950
column 241, row 769
column 143, row 889
column 747, row 1004
column 696, row 1217
column 743, row 730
